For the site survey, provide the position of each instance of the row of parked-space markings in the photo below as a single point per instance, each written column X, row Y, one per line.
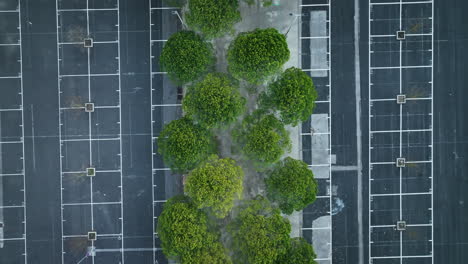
column 165, row 106
column 90, row 131
column 316, row 132
column 401, row 132
column 12, row 169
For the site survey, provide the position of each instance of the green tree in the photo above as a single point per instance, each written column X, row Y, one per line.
column 265, row 3
column 184, row 144
column 213, row 18
column 255, row 55
column 291, row 184
column 259, row 233
column 299, row 252
column 184, row 234
column 262, row 137
column 293, row 95
column 214, row 101
column 215, row 185
column 181, row 227
column 186, row 57
column 215, row 253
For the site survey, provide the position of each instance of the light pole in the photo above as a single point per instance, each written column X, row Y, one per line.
column 294, row 20
column 175, row 12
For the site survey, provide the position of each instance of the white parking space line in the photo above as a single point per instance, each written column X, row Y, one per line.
column 153, row 143
column 10, row 77
column 94, row 203
column 91, row 137
column 87, row 9
column 326, row 27
column 163, row 8
column 10, row 44
column 162, row 105
column 94, row 42
column 400, row 3
column 6, row 214
column 11, row 110
column 429, row 129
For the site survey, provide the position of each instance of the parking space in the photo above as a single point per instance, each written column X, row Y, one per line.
column 166, row 99
column 400, row 135
column 12, row 168
column 316, row 136
column 90, row 131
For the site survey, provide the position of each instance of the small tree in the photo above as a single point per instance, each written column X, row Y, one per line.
column 184, row 144
column 265, row 3
column 214, row 101
column 259, row 233
column 215, row 253
column 255, row 55
column 299, row 252
column 184, row 234
column 213, row 18
column 186, row 57
column 215, row 185
column 293, row 95
column 263, row 138
column 291, row 184
column 181, row 227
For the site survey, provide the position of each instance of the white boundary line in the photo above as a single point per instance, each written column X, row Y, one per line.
column 22, row 132
column 432, row 134
column 60, row 132
column 120, row 136
column 400, row 194
column 152, row 124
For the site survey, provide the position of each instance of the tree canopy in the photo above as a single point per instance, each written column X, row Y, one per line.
column 255, row 55
column 184, row 144
column 299, row 252
column 262, row 137
column 265, row 3
column 214, row 101
column 291, row 184
column 259, row 233
column 186, row 57
column 213, row 18
column 215, row 185
column 184, row 234
column 293, row 95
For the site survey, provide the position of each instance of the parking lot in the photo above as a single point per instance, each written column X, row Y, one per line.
column 400, row 132
column 316, row 132
column 165, row 107
column 90, row 131
column 12, row 168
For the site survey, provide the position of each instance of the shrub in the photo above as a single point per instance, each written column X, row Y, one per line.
column 293, row 95
column 259, row 233
column 184, row 233
column 184, row 144
column 214, row 101
column 262, row 138
column 291, row 184
column 186, row 57
column 299, row 252
column 213, row 18
column 255, row 55
column 215, row 185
